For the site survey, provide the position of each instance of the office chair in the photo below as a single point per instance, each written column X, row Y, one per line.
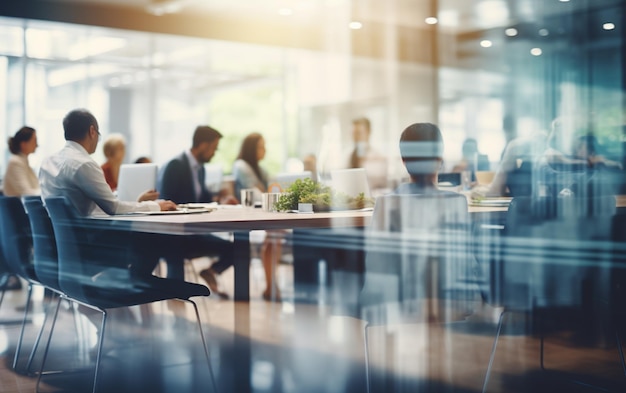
column 547, row 242
column 418, row 265
column 17, row 245
column 94, row 273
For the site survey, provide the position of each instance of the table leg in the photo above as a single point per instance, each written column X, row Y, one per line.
column 242, row 359
column 242, row 265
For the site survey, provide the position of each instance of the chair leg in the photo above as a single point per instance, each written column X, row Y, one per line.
column 99, row 355
column 21, row 337
column 40, row 334
column 45, row 353
column 493, row 351
column 367, row 359
column 204, row 344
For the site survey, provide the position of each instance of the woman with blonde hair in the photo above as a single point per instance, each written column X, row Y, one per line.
column 114, row 150
column 20, row 179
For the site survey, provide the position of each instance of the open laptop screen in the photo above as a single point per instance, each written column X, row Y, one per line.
column 351, row 182
column 135, row 179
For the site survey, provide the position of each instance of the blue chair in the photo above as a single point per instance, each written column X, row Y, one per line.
column 94, row 272
column 17, row 246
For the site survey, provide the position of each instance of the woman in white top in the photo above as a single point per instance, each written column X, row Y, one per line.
column 20, row 179
column 248, row 174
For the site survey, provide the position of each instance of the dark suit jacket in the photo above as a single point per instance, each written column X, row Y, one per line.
column 176, row 182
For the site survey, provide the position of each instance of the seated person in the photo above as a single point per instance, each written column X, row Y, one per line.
column 413, row 231
column 19, row 179
column 114, row 150
column 249, row 174
column 515, row 166
column 182, row 181
column 472, row 159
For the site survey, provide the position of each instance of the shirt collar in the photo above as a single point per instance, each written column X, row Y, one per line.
column 192, row 160
column 76, row 146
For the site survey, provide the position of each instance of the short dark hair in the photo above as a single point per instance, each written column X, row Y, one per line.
column 421, row 142
column 24, row 134
column 76, row 124
column 205, row 134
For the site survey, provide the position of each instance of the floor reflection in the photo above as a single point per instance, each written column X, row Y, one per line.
column 303, row 347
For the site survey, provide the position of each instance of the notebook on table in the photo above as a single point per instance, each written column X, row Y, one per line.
column 135, row 179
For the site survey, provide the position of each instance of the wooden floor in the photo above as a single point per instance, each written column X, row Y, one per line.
column 301, row 347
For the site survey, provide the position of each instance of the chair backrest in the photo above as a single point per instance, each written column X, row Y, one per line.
column 17, row 242
column 93, row 254
column 417, row 248
column 551, row 247
column 44, row 243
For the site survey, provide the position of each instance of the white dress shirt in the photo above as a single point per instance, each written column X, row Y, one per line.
column 19, row 179
column 195, row 167
column 72, row 173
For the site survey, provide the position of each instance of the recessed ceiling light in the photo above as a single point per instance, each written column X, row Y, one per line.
column 564, row 1
column 511, row 32
column 543, row 32
column 536, row 51
column 486, row 43
column 285, row 11
column 431, row 20
column 608, row 26
column 354, row 25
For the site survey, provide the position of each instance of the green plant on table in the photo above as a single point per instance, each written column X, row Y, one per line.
column 320, row 196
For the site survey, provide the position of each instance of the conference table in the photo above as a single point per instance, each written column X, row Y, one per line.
column 241, row 221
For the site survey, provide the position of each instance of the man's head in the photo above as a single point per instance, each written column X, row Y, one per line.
column 421, row 148
column 205, row 141
column 81, row 127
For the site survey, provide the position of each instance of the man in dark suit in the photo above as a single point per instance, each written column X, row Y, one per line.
column 182, row 181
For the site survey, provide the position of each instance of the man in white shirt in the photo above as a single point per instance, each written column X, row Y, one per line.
column 72, row 173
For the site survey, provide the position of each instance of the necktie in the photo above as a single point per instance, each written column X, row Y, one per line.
column 200, row 174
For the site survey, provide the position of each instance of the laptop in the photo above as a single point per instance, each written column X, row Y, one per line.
column 282, row 181
column 135, row 179
column 213, row 174
column 351, row 182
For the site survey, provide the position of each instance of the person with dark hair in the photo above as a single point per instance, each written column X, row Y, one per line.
column 421, row 149
column 182, row 180
column 143, row 160
column 72, row 173
column 396, row 275
column 114, row 150
column 248, row 174
column 20, row 179
column 246, row 169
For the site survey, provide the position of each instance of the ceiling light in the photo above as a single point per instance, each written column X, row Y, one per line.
column 431, row 20
column 608, row 26
column 355, row 25
column 486, row 43
column 543, row 32
column 162, row 7
column 536, row 51
column 511, row 32
column 564, row 1
column 285, row 11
